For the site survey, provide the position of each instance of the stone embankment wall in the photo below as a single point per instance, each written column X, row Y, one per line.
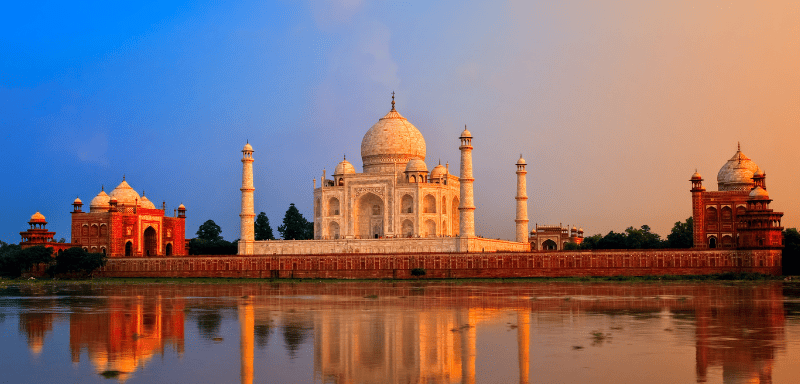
column 453, row 265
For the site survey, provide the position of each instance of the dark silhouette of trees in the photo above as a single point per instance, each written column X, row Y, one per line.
column 77, row 260
column 210, row 242
column 209, row 231
column 682, row 234
column 295, row 226
column 791, row 251
column 262, row 229
column 14, row 260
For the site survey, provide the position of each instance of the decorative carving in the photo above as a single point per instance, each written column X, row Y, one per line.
column 376, row 190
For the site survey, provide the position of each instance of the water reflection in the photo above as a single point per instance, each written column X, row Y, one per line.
column 409, row 333
column 127, row 333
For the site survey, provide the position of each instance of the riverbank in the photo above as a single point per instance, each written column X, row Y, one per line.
column 722, row 277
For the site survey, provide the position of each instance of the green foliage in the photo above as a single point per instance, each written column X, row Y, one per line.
column 209, row 241
column 14, row 260
column 632, row 238
column 791, row 251
column 78, row 260
column 681, row 235
column 569, row 246
column 209, row 231
column 262, row 229
column 295, row 226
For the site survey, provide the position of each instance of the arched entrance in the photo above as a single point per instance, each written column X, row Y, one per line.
column 129, row 249
column 150, row 242
column 369, row 217
column 430, row 228
column 168, row 250
column 408, row 228
column 549, row 245
column 333, row 230
column 712, row 242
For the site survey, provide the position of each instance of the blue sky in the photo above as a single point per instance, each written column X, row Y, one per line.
column 614, row 104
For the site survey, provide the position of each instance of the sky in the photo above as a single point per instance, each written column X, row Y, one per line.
column 613, row 104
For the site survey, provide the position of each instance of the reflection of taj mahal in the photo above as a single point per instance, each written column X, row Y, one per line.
column 394, row 205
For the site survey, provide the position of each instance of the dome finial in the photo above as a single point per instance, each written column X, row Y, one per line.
column 344, row 156
column 392, row 100
column 123, row 177
column 102, row 188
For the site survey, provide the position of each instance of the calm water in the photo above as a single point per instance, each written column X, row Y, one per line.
column 401, row 333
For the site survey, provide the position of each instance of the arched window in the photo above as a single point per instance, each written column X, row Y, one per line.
column 712, row 242
column 429, row 204
column 169, row 249
column 103, row 230
column 740, row 210
column 727, row 241
column 85, row 230
column 727, row 213
column 128, row 249
column 341, row 181
column 95, row 231
column 407, row 204
column 444, row 205
column 413, row 179
column 711, row 214
column 333, row 207
column 317, row 208
column 103, row 250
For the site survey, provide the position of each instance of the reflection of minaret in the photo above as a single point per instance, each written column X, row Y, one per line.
column 467, row 209
column 247, row 333
column 523, row 345
column 467, row 347
column 248, row 210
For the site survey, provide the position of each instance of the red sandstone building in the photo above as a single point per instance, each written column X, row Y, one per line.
column 738, row 214
column 37, row 234
column 123, row 223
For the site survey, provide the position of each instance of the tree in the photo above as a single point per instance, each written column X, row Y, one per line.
column 262, row 229
column 791, row 251
column 682, row 234
column 209, row 231
column 14, row 260
column 78, row 260
column 295, row 226
column 642, row 238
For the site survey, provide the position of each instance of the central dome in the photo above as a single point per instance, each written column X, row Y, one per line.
column 392, row 141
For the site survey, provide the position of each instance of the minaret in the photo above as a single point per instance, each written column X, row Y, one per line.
column 466, row 224
column 698, row 211
column 248, row 210
column 522, row 202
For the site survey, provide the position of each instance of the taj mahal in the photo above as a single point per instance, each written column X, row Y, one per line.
column 394, row 206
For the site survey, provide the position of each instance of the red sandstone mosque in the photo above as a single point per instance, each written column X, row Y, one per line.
column 119, row 224
column 737, row 215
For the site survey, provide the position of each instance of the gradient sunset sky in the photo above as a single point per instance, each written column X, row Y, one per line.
column 613, row 103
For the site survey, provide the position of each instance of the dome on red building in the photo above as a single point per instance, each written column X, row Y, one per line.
column 737, row 173
column 100, row 202
column 124, row 194
column 37, row 218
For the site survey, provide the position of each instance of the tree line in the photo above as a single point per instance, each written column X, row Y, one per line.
column 75, row 261
column 210, row 242
column 640, row 238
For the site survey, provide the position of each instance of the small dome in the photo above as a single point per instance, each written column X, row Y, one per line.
column 77, row 201
column 758, row 173
column 521, row 161
column 181, row 207
column 416, row 165
column 37, row 217
column 344, row 168
column 100, row 202
column 574, row 229
column 759, row 193
column 580, row 230
column 466, row 133
column 737, row 173
column 696, row 176
column 146, row 203
column 248, row 148
column 125, row 194
column 438, row 172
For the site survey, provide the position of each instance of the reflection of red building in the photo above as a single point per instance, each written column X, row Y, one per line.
column 131, row 331
column 738, row 214
column 123, row 223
